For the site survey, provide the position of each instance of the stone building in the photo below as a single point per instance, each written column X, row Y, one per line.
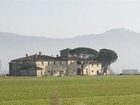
column 34, row 65
column 43, row 65
column 130, row 71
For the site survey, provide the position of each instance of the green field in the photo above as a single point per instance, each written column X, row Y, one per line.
column 97, row 90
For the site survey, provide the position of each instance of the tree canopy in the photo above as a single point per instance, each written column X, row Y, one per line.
column 106, row 57
column 84, row 53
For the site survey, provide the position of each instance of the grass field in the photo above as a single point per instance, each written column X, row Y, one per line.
column 97, row 90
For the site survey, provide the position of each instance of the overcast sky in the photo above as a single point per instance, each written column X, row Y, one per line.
column 68, row 18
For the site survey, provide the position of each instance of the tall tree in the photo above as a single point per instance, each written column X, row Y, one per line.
column 83, row 55
column 106, row 57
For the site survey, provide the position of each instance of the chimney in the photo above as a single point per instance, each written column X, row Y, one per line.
column 26, row 55
column 40, row 53
column 57, row 56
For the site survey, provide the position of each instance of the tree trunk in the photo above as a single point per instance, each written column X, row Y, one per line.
column 104, row 69
column 82, row 70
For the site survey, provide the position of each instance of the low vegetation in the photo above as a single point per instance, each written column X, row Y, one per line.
column 82, row 90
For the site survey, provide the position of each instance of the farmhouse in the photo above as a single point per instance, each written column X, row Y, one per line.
column 43, row 65
column 130, row 71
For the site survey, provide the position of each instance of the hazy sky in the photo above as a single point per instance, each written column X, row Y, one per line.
column 68, row 18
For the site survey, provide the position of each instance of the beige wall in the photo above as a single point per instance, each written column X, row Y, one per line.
column 39, row 73
column 43, row 65
column 91, row 69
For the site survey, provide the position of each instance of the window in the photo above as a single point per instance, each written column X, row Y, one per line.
column 78, row 62
column 48, row 71
column 97, row 65
column 92, row 65
column 92, row 71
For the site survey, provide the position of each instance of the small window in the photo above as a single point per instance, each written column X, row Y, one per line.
column 54, row 71
column 78, row 62
column 92, row 65
column 97, row 65
column 48, row 71
column 54, row 62
column 92, row 71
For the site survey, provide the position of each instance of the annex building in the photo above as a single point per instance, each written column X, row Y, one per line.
column 43, row 65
